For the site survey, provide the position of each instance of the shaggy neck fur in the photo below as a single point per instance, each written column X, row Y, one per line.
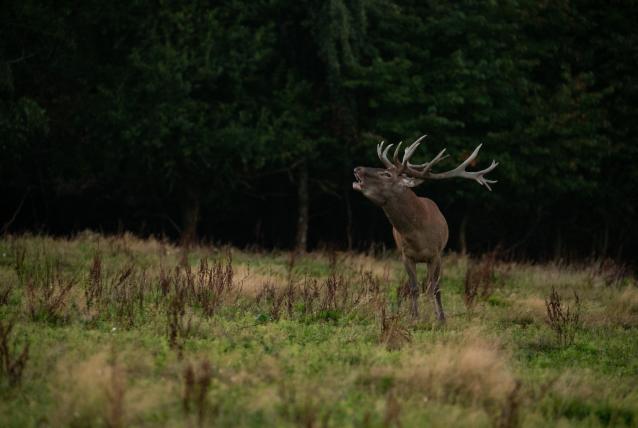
column 403, row 211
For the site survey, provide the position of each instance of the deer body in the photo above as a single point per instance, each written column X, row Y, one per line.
column 418, row 226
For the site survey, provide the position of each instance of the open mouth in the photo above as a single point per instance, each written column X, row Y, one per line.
column 357, row 185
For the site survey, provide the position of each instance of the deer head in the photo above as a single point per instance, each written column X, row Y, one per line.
column 381, row 185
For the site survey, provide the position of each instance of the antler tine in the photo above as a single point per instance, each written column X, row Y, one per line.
column 395, row 158
column 423, row 170
column 482, row 180
column 421, row 138
column 409, row 151
column 460, row 171
column 470, row 158
column 383, row 154
column 425, row 167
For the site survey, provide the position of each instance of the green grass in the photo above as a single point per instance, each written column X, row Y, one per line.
column 314, row 363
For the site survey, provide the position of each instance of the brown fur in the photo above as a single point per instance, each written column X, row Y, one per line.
column 418, row 226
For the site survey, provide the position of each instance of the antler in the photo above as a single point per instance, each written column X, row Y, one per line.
column 423, row 170
column 394, row 163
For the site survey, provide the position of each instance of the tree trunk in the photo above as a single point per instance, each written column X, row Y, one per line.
column 462, row 237
column 301, row 241
column 190, row 218
column 349, row 216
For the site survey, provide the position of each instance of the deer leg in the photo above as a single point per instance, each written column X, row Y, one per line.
column 410, row 267
column 434, row 274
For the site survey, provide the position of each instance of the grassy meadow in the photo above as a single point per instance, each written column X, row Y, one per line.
column 118, row 331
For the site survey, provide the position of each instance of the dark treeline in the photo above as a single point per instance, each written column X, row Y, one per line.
column 242, row 122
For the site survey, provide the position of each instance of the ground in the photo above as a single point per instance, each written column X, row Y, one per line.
column 129, row 332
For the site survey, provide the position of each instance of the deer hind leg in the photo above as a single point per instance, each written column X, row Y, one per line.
column 434, row 279
column 410, row 267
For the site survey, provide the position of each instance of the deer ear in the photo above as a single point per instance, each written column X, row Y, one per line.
column 410, row 181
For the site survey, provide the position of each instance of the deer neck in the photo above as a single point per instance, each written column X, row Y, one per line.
column 403, row 211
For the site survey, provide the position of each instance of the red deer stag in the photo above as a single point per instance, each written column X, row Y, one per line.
column 419, row 229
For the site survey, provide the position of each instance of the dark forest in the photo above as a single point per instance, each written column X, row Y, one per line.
column 241, row 122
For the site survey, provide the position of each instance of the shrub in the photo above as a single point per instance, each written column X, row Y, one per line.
column 213, row 284
column 94, row 286
column 479, row 279
column 273, row 299
column 47, row 293
column 12, row 360
column 394, row 334
column 562, row 319
column 178, row 326
column 126, row 294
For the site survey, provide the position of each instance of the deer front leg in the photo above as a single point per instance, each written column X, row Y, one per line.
column 434, row 279
column 410, row 267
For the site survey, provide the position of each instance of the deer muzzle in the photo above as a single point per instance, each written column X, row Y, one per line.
column 358, row 185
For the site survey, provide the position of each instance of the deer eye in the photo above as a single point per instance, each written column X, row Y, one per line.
column 385, row 174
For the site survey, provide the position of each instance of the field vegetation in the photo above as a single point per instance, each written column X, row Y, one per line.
column 119, row 331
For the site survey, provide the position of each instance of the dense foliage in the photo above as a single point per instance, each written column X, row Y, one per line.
column 231, row 122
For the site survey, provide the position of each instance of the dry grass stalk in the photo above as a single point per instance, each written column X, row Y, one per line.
column 394, row 334
column 212, row 284
column 189, row 387
column 196, row 386
column 248, row 281
column 178, row 326
column 273, row 299
column 342, row 292
column 47, row 294
column 126, row 294
column 479, row 279
column 336, row 294
column 624, row 309
column 562, row 319
column 365, row 294
column 392, row 415
column 95, row 287
column 309, row 294
column 164, row 281
column 403, row 291
column 183, row 257
column 370, row 282
column 5, row 292
column 472, row 372
column 93, row 391
column 289, row 297
column 19, row 261
column 360, row 262
column 12, row 361
column 290, row 267
column 330, row 286
column 510, row 412
column 611, row 272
